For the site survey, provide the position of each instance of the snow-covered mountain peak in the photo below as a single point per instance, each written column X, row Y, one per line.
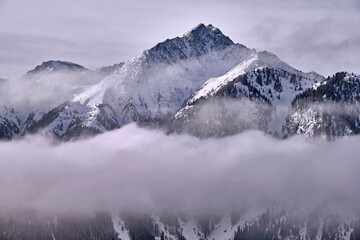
column 201, row 27
column 195, row 43
column 155, row 83
column 201, row 32
column 54, row 66
column 68, row 77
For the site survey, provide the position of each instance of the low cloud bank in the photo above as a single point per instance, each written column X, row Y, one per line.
column 147, row 171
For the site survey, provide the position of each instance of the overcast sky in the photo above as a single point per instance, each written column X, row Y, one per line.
column 310, row 35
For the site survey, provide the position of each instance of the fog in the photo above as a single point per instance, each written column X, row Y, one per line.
column 218, row 117
column 140, row 170
column 44, row 91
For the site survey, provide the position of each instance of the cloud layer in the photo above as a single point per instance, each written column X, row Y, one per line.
column 148, row 171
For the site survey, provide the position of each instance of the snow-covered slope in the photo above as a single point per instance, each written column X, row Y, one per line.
column 330, row 109
column 154, row 85
column 262, row 77
column 24, row 102
column 10, row 122
column 284, row 89
column 271, row 223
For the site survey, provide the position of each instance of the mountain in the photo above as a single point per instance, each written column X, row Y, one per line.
column 221, row 106
column 55, row 66
column 34, row 100
column 71, row 76
column 328, row 110
column 201, row 83
column 151, row 87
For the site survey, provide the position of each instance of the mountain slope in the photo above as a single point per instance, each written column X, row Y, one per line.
column 35, row 96
column 222, row 107
column 328, row 110
column 272, row 223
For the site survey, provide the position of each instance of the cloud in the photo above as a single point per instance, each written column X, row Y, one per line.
column 148, row 171
column 43, row 91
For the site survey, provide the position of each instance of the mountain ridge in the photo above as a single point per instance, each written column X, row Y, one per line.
column 159, row 86
column 56, row 65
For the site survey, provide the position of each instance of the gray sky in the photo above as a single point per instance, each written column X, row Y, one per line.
column 311, row 35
